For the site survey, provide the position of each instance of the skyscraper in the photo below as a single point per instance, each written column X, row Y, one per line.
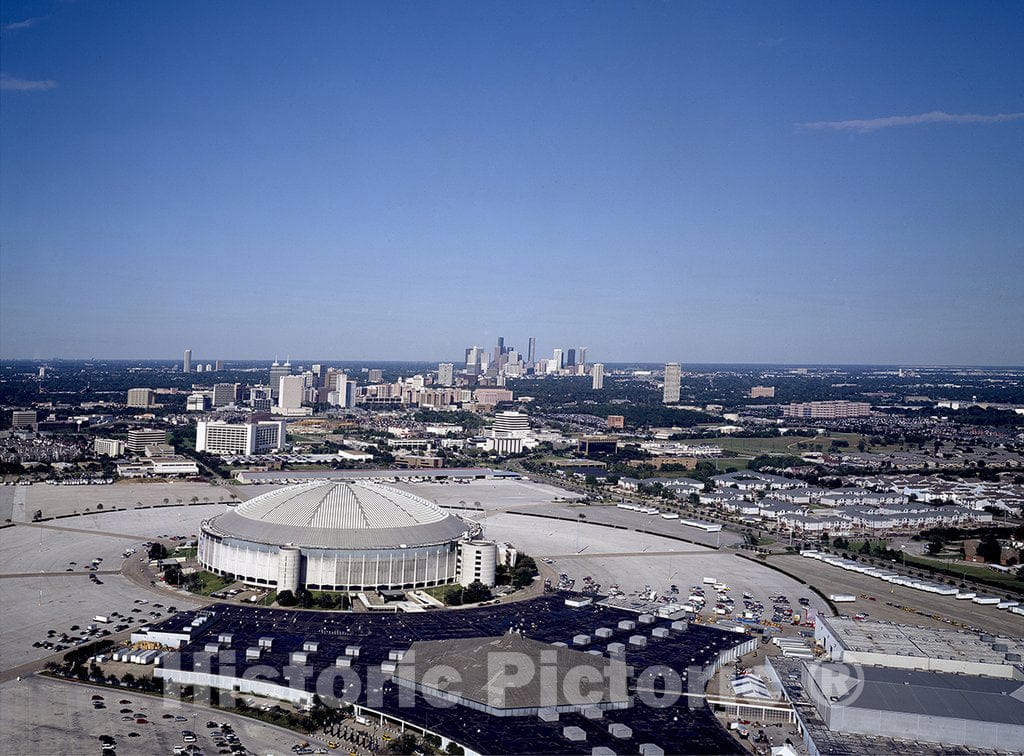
column 570, row 359
column 446, row 374
column 186, row 364
column 597, row 373
column 581, row 356
column 278, row 371
column 291, row 390
column 556, row 355
column 531, row 353
column 671, row 392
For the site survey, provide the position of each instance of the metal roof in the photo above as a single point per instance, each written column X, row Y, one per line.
column 936, row 694
column 340, row 515
column 480, row 660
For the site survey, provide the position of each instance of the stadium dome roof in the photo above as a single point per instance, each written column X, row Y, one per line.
column 339, row 515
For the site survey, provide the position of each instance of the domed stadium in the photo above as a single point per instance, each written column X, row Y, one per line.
column 339, row 536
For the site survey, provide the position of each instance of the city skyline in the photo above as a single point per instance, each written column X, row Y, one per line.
column 710, row 184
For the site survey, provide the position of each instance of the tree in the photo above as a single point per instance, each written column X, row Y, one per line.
column 286, row 598
column 37, row 515
column 304, row 598
column 475, row 592
column 935, row 546
column 157, row 551
column 404, row 744
column 172, row 574
column 989, row 549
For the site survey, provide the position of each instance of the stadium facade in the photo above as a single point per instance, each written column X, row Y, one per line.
column 344, row 536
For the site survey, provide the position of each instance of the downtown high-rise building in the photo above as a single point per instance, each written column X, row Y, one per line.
column 186, row 363
column 277, row 372
column 581, row 356
column 531, row 352
column 291, row 392
column 474, row 359
column 570, row 358
column 597, row 374
column 558, row 359
column 670, row 394
column 446, row 374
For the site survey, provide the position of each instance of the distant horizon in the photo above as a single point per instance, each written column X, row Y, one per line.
column 253, row 362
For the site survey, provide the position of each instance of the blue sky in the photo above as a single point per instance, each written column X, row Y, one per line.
column 735, row 182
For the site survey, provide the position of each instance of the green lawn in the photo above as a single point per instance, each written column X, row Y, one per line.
column 210, row 583
column 978, row 572
column 752, row 447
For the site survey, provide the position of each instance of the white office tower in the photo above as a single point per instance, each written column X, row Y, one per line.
column 597, row 374
column 186, row 364
column 671, row 392
column 513, row 423
column 558, row 358
column 290, row 391
column 344, row 395
column 510, row 434
column 446, row 374
column 551, row 366
column 197, row 403
column 581, row 357
column 240, row 438
column 199, row 368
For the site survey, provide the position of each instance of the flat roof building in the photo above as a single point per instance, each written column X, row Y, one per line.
column 480, row 689
column 140, row 397
column 241, row 438
column 670, row 394
column 831, row 410
column 140, row 438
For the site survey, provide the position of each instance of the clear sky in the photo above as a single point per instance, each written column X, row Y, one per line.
column 748, row 182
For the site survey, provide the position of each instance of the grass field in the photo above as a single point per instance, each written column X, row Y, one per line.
column 977, row 572
column 752, row 447
column 210, row 583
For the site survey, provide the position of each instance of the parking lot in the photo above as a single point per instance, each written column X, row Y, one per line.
column 33, row 606
column 490, row 494
column 530, row 497
column 43, row 716
column 60, row 500
column 44, row 576
column 831, row 579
